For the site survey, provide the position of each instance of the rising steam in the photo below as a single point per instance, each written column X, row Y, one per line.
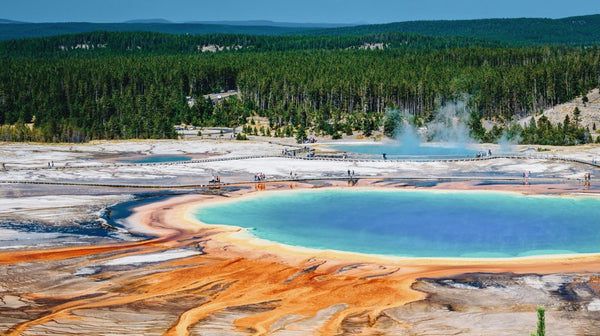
column 449, row 129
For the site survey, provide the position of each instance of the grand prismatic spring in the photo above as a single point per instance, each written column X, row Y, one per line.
column 387, row 255
column 418, row 223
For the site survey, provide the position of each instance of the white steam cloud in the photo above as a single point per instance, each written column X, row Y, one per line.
column 449, row 129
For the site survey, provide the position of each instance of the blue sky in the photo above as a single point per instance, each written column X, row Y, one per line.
column 334, row 11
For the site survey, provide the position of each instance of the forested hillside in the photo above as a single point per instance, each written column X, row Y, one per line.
column 576, row 30
column 325, row 84
column 29, row 30
column 146, row 43
column 525, row 31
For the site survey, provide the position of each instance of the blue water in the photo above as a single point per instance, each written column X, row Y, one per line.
column 393, row 148
column 418, row 223
column 156, row 159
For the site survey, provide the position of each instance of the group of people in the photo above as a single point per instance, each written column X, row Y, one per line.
column 260, row 177
column 293, row 152
column 352, row 180
column 51, row 164
column 310, row 140
column 293, row 175
column 215, row 179
column 483, row 154
column 288, row 152
column 587, row 177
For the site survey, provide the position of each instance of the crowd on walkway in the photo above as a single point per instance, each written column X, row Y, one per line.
column 259, row 177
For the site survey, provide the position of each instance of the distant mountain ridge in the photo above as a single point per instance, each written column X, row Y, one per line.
column 526, row 31
column 6, row 21
column 30, row 30
column 268, row 23
column 149, row 21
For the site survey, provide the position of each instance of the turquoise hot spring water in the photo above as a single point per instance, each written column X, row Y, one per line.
column 155, row 159
column 429, row 224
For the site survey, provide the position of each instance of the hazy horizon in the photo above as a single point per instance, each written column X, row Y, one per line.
column 306, row 12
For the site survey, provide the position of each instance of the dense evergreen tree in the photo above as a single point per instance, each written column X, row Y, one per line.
column 297, row 82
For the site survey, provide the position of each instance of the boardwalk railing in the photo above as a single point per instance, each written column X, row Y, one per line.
column 512, row 179
column 332, row 157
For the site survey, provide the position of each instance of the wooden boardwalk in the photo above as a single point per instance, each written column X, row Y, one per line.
column 325, row 157
column 342, row 177
column 338, row 158
column 324, row 178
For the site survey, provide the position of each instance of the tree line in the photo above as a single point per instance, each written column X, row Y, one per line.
column 149, row 43
column 330, row 90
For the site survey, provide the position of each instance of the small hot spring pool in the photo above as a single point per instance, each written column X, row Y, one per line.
column 417, row 223
column 393, row 148
column 155, row 159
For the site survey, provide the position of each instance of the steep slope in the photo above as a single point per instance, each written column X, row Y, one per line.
column 589, row 112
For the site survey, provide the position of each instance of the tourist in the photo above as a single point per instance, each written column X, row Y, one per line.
column 348, row 172
column 587, row 180
column 384, row 156
column 3, row 166
column 489, row 152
